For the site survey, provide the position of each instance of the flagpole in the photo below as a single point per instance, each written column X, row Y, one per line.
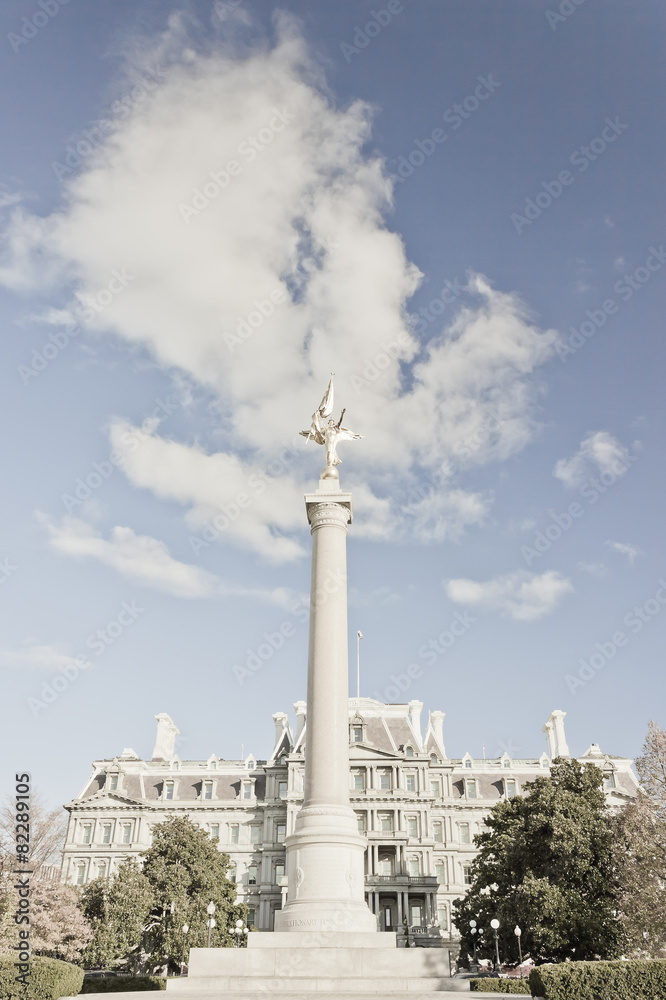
column 359, row 636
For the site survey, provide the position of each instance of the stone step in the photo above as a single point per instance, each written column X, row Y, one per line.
column 263, row 994
column 340, row 986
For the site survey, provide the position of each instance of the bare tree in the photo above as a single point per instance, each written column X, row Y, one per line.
column 47, row 833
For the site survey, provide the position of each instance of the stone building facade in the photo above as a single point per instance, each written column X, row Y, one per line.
column 418, row 809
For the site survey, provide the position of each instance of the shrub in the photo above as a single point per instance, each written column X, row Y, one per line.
column 500, row 986
column 600, row 980
column 123, row 984
column 48, row 979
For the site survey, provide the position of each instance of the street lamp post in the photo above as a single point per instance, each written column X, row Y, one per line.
column 472, row 925
column 210, row 910
column 517, row 931
column 495, row 924
column 182, row 964
column 241, row 931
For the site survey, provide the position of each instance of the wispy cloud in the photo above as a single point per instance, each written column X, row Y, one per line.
column 43, row 657
column 522, row 596
column 146, row 561
column 598, row 453
column 626, row 549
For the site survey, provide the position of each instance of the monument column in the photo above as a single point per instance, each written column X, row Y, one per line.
column 325, row 854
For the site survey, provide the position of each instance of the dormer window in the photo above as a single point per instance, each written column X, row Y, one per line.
column 247, row 790
column 409, row 751
column 467, row 762
column 433, row 758
column 509, row 787
column 213, row 765
column 169, row 787
column 470, row 788
column 506, row 762
column 113, row 782
column 357, row 734
column 207, row 790
column 609, row 781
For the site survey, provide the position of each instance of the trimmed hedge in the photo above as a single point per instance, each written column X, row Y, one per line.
column 123, row 984
column 600, row 980
column 500, row 986
column 48, row 979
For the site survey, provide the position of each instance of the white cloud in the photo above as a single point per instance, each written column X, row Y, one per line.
column 300, row 220
column 598, row 453
column 626, row 549
column 147, row 561
column 594, row 569
column 42, row 657
column 521, row 595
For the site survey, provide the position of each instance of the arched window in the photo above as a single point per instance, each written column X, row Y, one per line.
column 433, row 758
column 409, row 751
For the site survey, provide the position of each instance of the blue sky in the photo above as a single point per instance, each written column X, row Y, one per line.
column 455, row 206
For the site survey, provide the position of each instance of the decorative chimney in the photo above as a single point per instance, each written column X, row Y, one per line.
column 280, row 720
column 415, row 708
column 437, row 726
column 554, row 730
column 165, row 744
column 300, row 708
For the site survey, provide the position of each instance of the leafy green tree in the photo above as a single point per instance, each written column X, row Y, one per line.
column 545, row 863
column 639, row 836
column 186, row 872
column 118, row 910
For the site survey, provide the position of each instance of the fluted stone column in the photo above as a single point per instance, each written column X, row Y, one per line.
column 324, row 860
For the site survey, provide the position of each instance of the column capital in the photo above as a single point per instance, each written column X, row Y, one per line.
column 328, row 508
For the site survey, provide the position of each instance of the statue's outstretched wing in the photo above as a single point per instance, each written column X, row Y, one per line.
column 346, row 435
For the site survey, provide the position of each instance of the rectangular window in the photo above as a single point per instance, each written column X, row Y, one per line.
column 233, row 833
column 252, row 875
column 127, row 834
column 282, row 789
column 413, row 867
column 231, row 872
column 416, row 915
column 101, row 870
column 215, row 831
column 357, row 734
column 250, row 916
column 81, row 875
column 280, row 832
column 106, row 833
column 247, row 790
column 506, row 763
column 410, row 782
column 467, row 874
column 86, row 837
column 510, row 787
column 413, row 826
column 359, row 781
column 468, row 763
column 168, row 789
column 435, row 789
column 385, row 780
column 464, row 833
column 113, row 783
column 255, row 834
column 609, row 782
column 385, row 821
column 471, row 788
column 437, row 832
column 208, row 790
column 279, row 873
column 360, row 822
column 442, row 919
column 385, row 866
column 440, row 872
